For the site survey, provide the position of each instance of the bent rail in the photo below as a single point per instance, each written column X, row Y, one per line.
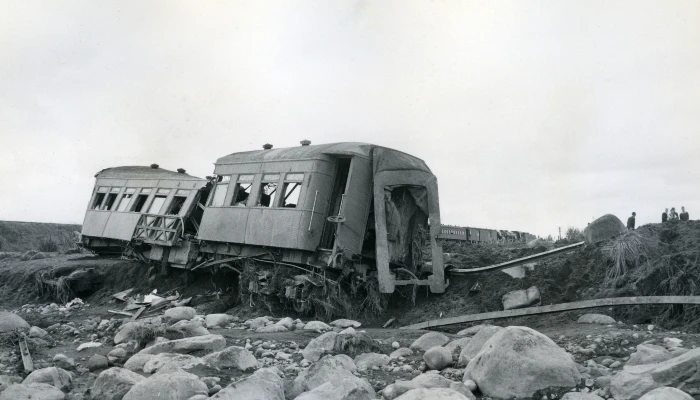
column 578, row 305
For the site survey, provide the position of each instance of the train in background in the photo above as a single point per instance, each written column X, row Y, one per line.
column 481, row 235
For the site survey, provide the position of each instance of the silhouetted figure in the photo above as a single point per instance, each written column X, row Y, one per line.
column 673, row 215
column 631, row 221
column 664, row 216
column 684, row 215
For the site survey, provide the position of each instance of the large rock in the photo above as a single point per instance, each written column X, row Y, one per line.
column 347, row 389
column 518, row 361
column 345, row 323
column 521, row 298
column 197, row 345
column 179, row 314
column 398, row 388
column 434, row 393
column 232, row 357
column 188, row 329
column 429, row 380
column 604, row 228
column 401, row 352
column 176, row 386
column 666, row 393
column 580, row 396
column 649, row 354
column 10, row 321
column 356, row 343
column 264, row 384
column 217, row 320
column 329, row 369
column 169, row 362
column 31, row 391
column 475, row 345
column 596, row 319
column 369, row 360
column 316, row 326
column 37, row 332
column 438, row 358
column 114, row 383
column 274, row 328
column 137, row 361
column 458, row 344
column 429, row 340
column 6, row 381
column 319, row 346
column 97, row 361
column 53, row 376
column 127, row 332
column 634, row 381
column 472, row 330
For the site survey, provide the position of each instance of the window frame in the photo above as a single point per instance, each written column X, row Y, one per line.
column 242, row 179
column 267, row 179
column 221, row 181
column 296, row 178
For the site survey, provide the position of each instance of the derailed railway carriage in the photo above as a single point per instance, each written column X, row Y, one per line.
column 293, row 222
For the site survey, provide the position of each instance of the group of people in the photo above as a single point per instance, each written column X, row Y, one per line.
column 674, row 216
column 665, row 216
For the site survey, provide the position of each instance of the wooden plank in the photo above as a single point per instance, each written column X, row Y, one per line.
column 137, row 314
column 522, row 312
column 126, row 314
column 26, row 357
column 517, row 261
column 122, row 295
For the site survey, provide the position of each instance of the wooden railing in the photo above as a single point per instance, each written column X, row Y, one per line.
column 158, row 229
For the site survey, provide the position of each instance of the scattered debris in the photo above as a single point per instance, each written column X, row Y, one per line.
column 26, row 357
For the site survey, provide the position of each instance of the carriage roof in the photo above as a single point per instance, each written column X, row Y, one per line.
column 140, row 172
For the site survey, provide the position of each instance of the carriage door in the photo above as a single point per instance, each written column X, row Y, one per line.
column 342, row 170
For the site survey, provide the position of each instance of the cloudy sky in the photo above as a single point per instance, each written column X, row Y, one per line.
column 532, row 114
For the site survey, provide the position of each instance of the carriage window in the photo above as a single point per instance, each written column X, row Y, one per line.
column 242, row 190
column 291, row 194
column 124, row 202
column 110, row 201
column 99, row 198
column 140, row 202
column 157, row 204
column 176, row 205
column 268, row 190
column 222, row 182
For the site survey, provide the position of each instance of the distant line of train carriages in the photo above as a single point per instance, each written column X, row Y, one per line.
column 480, row 235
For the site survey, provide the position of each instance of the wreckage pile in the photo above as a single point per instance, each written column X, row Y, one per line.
column 182, row 355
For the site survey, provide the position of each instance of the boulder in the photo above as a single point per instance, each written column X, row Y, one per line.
column 257, row 323
column 185, row 328
column 264, row 384
column 462, row 388
column 345, row 323
column 97, row 361
column 596, row 319
column 126, row 332
column 666, row 393
column 169, row 362
column 37, row 332
column 429, row 380
column 316, row 326
column 356, row 343
column 649, row 354
column 581, row 396
column 429, row 340
column 471, row 331
column 433, row 393
column 31, row 391
column 521, row 298
column 347, row 389
column 474, row 346
column 369, row 360
column 319, row 346
column 232, row 357
column 175, row 386
column 518, row 361
column 53, row 376
column 217, row 320
column 329, row 369
column 287, row 323
column 6, row 381
column 117, row 355
column 62, row 361
column 437, row 358
column 114, row 383
column 137, row 361
column 179, row 314
column 10, row 321
column 458, row 344
column 634, row 381
column 274, row 328
column 196, row 345
column 398, row 388
column 401, row 352
column 604, row 228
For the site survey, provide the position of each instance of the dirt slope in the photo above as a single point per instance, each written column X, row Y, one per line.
column 23, row 236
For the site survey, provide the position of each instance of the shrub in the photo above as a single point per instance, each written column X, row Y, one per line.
column 624, row 251
column 48, row 245
column 574, row 234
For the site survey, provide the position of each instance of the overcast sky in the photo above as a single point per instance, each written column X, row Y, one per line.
column 532, row 114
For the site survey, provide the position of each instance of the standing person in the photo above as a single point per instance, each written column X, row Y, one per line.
column 664, row 216
column 631, row 221
column 673, row 216
column 684, row 215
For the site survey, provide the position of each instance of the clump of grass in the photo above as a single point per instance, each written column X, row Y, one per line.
column 624, row 252
column 56, row 289
column 146, row 333
column 48, row 245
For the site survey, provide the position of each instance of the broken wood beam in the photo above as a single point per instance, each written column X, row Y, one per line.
column 26, row 357
column 553, row 308
column 126, row 314
column 137, row 314
column 517, row 261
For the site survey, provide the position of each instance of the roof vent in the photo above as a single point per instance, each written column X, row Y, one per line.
column 305, row 142
column 181, row 171
column 267, row 146
column 154, row 166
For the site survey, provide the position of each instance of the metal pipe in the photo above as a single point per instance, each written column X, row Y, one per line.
column 313, row 209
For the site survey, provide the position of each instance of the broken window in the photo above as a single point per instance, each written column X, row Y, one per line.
column 244, row 185
column 176, row 205
column 222, row 182
column 291, row 190
column 157, row 204
column 140, row 202
column 126, row 198
column 109, row 203
column 268, row 190
column 99, row 198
